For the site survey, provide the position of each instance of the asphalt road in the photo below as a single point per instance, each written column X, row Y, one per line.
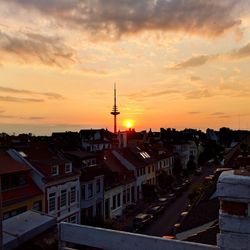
column 164, row 224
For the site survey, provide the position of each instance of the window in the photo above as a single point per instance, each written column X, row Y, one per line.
column 99, row 209
column 114, row 202
column 73, row 219
column 124, row 197
column 90, row 190
column 52, row 202
column 98, row 186
column 63, row 198
column 83, row 192
column 68, row 168
column 14, row 212
column 10, row 181
column 128, row 195
column 133, row 194
column 54, row 170
column 119, row 200
column 72, row 194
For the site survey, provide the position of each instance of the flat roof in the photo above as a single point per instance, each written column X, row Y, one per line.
column 23, row 227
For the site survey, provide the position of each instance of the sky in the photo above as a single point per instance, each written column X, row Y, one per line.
column 176, row 63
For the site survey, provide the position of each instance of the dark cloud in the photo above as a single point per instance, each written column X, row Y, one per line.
column 24, row 91
column 35, row 48
column 114, row 18
column 194, row 112
column 19, row 99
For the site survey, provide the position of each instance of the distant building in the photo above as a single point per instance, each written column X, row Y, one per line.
column 95, row 140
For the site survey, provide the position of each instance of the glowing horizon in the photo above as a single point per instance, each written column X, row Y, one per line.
column 173, row 68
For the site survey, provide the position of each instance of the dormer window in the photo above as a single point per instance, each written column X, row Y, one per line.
column 68, row 168
column 54, row 170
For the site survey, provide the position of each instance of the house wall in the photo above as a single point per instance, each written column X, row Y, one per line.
column 89, row 201
column 115, row 206
column 11, row 210
column 64, row 213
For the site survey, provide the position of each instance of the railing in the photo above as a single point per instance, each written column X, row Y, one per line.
column 112, row 240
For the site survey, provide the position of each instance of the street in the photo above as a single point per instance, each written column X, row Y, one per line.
column 164, row 224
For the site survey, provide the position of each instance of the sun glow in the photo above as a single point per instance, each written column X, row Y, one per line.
column 129, row 123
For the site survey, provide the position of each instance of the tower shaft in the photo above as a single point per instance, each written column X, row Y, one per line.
column 115, row 111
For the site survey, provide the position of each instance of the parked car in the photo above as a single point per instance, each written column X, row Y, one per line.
column 164, row 201
column 198, row 171
column 155, row 210
column 169, row 237
column 171, row 196
column 177, row 190
column 142, row 220
column 185, row 184
column 176, row 228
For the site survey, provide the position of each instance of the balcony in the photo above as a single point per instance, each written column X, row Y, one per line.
column 112, row 240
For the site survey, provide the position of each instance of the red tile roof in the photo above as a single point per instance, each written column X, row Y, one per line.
column 8, row 165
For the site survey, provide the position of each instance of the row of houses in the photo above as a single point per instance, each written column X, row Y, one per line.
column 90, row 182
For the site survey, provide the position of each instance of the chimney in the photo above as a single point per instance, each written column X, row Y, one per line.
column 233, row 189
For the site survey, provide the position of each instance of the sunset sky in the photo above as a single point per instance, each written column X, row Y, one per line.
column 176, row 63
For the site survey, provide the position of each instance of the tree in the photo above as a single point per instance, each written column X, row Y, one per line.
column 191, row 165
column 164, row 180
column 177, row 168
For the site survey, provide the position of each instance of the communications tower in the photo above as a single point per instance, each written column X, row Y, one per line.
column 115, row 111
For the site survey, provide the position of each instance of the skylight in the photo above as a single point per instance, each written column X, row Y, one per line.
column 145, row 155
column 22, row 154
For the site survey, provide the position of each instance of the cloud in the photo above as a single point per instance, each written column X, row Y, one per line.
column 149, row 94
column 19, row 117
column 113, row 18
column 193, row 62
column 35, row 48
column 19, row 99
column 49, row 95
column 194, row 112
column 34, row 118
column 217, row 114
column 241, row 53
column 200, row 60
column 199, row 93
column 195, row 78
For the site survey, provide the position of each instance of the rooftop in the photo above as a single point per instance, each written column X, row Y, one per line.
column 23, row 227
column 8, row 165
